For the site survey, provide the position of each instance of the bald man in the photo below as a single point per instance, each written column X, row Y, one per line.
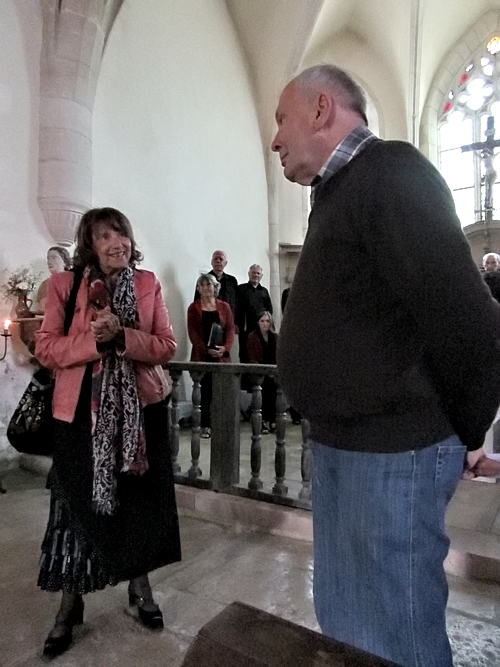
column 228, row 284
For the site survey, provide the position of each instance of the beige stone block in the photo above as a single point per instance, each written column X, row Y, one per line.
column 65, row 180
column 65, row 113
column 474, row 506
column 63, row 144
column 79, row 39
column 256, row 515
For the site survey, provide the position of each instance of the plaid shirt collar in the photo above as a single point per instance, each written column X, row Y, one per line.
column 351, row 145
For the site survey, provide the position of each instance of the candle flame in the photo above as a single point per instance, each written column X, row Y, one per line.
column 6, row 325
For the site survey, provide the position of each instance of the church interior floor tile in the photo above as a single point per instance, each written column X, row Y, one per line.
column 219, row 566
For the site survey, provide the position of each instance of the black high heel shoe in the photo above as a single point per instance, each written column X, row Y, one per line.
column 61, row 635
column 140, row 595
column 151, row 619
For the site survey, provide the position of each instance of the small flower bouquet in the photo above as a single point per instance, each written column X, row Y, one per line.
column 21, row 281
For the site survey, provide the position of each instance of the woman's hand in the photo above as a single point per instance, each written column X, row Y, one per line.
column 106, row 326
column 217, row 352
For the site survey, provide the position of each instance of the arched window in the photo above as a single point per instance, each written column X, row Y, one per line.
column 473, row 97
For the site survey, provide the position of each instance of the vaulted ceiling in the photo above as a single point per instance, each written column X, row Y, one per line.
column 393, row 47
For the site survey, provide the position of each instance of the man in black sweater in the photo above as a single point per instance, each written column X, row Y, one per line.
column 397, row 367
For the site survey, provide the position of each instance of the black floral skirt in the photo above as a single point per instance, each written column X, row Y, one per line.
column 83, row 551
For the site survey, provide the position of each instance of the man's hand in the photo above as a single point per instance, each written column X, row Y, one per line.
column 479, row 465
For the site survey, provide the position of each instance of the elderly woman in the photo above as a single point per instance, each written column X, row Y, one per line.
column 58, row 260
column 113, row 515
column 208, row 318
column 261, row 348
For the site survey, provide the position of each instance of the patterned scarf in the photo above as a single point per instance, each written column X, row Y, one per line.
column 118, row 442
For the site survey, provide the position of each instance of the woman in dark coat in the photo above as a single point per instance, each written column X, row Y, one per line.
column 261, row 348
column 113, row 515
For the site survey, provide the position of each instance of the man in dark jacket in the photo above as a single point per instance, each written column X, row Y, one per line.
column 396, row 367
column 491, row 275
column 228, row 291
column 253, row 299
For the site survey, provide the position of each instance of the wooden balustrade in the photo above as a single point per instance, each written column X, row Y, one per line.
column 226, row 440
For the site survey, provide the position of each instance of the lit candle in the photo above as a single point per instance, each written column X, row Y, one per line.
column 6, row 326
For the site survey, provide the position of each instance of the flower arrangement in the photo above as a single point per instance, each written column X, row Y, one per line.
column 21, row 281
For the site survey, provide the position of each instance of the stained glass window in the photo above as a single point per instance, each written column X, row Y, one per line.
column 474, row 96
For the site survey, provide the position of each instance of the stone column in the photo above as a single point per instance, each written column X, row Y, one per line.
column 74, row 37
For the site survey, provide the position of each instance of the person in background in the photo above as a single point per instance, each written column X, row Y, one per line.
column 261, row 349
column 491, row 275
column 253, row 299
column 295, row 416
column 58, row 259
column 396, row 367
column 113, row 514
column 203, row 317
column 284, row 298
column 228, row 290
column 491, row 262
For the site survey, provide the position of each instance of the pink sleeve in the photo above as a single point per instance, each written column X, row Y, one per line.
column 54, row 349
column 156, row 346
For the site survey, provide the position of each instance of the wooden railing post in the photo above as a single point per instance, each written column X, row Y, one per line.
column 174, row 420
column 225, row 450
column 255, row 482
column 280, row 454
column 194, row 470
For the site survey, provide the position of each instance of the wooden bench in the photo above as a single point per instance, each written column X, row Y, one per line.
column 243, row 636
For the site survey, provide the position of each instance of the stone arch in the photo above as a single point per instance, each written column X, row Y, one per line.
column 73, row 42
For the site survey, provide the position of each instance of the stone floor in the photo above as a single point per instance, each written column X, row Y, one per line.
column 219, row 566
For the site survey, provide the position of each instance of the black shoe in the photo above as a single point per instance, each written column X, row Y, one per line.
column 61, row 635
column 151, row 619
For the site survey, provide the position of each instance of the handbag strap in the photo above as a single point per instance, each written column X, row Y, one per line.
column 71, row 303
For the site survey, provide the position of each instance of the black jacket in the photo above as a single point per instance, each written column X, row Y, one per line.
column 251, row 302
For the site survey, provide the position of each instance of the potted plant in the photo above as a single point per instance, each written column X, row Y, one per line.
column 20, row 283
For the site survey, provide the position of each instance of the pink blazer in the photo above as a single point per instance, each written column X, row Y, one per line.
column 195, row 330
column 149, row 346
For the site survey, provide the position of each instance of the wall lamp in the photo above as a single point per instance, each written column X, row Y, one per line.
column 6, row 335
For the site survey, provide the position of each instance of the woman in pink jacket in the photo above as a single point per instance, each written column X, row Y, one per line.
column 113, row 515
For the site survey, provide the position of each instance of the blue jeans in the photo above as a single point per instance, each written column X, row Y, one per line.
column 379, row 547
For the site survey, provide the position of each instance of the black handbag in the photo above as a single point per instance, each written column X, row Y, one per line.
column 30, row 430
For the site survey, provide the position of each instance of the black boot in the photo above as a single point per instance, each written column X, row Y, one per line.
column 141, row 596
column 70, row 613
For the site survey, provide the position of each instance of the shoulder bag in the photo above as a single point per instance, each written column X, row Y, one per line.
column 30, row 429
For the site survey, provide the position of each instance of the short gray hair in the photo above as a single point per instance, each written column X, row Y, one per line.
column 336, row 81
column 256, row 266
column 211, row 279
column 491, row 254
